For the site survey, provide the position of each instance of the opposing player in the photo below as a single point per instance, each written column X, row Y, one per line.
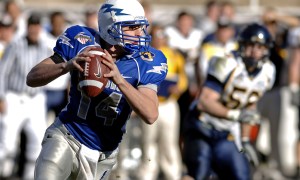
column 83, row 141
column 213, row 137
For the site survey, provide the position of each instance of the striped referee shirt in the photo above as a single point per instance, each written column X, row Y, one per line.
column 18, row 59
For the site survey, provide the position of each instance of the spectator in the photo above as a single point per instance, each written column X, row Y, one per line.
column 185, row 38
column 7, row 32
column 91, row 17
column 220, row 44
column 57, row 90
column 227, row 13
column 6, row 35
column 294, row 84
column 274, row 106
column 22, row 107
column 160, row 150
column 13, row 9
column 148, row 12
column 208, row 23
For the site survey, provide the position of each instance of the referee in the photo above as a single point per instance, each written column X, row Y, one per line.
column 22, row 107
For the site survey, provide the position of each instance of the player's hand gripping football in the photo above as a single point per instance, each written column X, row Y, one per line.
column 84, row 56
column 114, row 73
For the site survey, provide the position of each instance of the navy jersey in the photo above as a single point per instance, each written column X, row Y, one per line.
column 99, row 122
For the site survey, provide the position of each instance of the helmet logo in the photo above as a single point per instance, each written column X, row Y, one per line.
column 258, row 38
column 109, row 8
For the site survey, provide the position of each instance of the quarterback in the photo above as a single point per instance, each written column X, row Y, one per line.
column 217, row 127
column 83, row 141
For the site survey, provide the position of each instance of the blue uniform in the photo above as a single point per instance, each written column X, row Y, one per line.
column 212, row 143
column 99, row 122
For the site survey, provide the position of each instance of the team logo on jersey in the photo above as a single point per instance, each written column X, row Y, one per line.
column 159, row 69
column 63, row 39
column 83, row 39
column 147, row 56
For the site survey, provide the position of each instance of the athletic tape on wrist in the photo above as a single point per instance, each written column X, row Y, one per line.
column 233, row 114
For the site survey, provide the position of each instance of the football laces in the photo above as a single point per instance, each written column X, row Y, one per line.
column 86, row 68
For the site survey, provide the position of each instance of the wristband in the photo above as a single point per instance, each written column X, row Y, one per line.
column 245, row 139
column 233, row 114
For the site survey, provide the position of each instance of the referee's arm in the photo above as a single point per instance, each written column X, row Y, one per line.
column 6, row 65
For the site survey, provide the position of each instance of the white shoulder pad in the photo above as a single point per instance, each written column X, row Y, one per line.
column 221, row 67
column 270, row 72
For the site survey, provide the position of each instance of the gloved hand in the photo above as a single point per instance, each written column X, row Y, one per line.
column 295, row 94
column 251, row 116
column 250, row 153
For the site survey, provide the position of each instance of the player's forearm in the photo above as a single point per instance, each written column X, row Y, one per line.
column 246, row 127
column 142, row 105
column 246, row 130
column 213, row 108
column 44, row 73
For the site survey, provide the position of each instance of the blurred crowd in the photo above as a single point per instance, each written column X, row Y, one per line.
column 189, row 42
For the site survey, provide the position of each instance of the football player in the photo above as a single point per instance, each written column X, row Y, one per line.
column 217, row 127
column 83, row 141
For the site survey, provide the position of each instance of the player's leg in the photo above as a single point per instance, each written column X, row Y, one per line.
column 169, row 156
column 11, row 125
column 34, row 129
column 197, row 151
column 1, row 143
column 148, row 169
column 197, row 157
column 298, row 144
column 56, row 158
column 229, row 163
column 105, row 164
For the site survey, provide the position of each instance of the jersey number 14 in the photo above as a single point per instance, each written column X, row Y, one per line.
column 106, row 109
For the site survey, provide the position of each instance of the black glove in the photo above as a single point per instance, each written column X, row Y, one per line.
column 250, row 116
column 250, row 153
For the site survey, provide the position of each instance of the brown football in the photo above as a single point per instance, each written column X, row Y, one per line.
column 91, row 80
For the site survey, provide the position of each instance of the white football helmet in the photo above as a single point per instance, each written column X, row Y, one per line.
column 115, row 14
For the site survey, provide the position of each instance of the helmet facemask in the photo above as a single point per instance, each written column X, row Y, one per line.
column 259, row 40
column 252, row 63
column 128, row 42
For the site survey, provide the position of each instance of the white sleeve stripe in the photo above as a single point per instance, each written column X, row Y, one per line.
column 150, row 86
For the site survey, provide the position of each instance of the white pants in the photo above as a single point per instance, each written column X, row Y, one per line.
column 28, row 113
column 278, row 136
column 160, row 144
column 63, row 157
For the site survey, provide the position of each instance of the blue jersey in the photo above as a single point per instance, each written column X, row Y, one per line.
column 99, row 122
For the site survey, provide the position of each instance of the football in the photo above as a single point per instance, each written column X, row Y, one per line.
column 91, row 80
